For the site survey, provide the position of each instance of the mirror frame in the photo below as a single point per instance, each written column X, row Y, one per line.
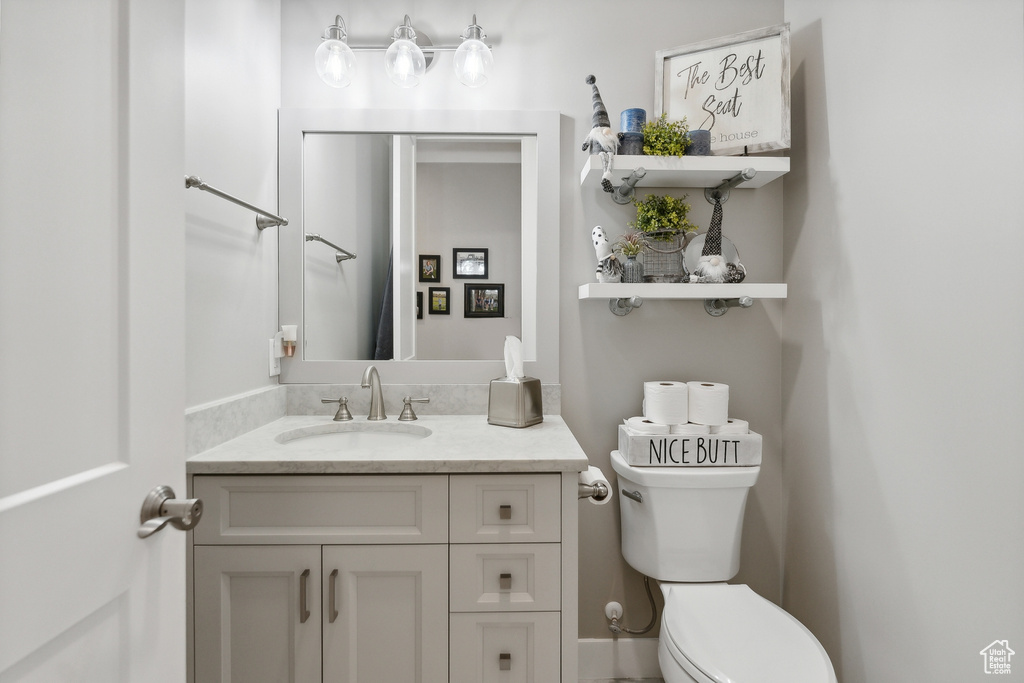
column 540, row 326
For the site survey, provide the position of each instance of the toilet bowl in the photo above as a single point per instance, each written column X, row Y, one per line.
column 682, row 526
column 722, row 633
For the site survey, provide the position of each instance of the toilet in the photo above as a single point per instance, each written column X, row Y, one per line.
column 682, row 526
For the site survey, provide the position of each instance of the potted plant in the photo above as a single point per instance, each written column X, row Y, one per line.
column 630, row 245
column 662, row 219
column 666, row 138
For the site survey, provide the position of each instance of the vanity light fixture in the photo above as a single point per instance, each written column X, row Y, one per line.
column 334, row 59
column 407, row 58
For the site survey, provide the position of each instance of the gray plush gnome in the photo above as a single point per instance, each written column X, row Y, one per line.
column 601, row 140
column 712, row 266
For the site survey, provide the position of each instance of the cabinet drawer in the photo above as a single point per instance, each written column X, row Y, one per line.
column 499, row 577
column 505, row 508
column 322, row 509
column 519, row 647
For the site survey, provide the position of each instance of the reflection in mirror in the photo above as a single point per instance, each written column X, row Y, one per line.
column 466, row 199
column 391, row 186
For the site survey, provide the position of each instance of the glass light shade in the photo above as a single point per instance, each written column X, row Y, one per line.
column 335, row 63
column 473, row 63
column 405, row 63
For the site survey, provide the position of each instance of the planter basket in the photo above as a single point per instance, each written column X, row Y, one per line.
column 663, row 260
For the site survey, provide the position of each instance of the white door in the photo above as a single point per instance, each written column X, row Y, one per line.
column 403, row 245
column 92, row 316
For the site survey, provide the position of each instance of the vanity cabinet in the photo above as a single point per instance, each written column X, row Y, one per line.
column 369, row 578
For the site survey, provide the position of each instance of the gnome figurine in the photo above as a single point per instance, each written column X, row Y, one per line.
column 609, row 268
column 601, row 140
column 712, row 266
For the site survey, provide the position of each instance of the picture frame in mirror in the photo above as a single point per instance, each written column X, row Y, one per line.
column 430, row 268
column 484, row 300
column 469, row 264
column 439, row 300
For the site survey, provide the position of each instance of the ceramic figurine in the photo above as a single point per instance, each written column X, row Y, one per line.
column 609, row 268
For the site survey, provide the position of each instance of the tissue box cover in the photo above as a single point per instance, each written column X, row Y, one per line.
column 515, row 402
column 690, row 450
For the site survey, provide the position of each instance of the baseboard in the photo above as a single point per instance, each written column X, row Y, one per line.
column 604, row 658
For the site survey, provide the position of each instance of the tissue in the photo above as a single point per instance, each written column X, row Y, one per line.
column 641, row 425
column 666, row 402
column 733, row 426
column 513, row 357
column 709, row 403
column 591, row 476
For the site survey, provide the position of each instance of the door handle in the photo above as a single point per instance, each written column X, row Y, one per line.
column 161, row 508
column 332, row 598
column 303, row 603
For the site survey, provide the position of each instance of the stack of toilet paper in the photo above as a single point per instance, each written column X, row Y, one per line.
column 687, row 423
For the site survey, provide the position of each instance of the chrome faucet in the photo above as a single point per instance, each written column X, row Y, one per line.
column 371, row 380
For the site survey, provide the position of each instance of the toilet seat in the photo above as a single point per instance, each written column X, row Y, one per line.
column 730, row 634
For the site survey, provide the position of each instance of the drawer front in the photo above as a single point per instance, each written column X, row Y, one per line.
column 322, row 509
column 499, row 577
column 504, row 648
column 505, row 508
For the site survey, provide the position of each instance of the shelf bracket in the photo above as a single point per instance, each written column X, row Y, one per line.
column 623, row 194
column 624, row 305
column 721, row 193
column 718, row 307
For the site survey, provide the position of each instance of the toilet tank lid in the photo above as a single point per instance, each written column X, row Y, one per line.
column 731, row 633
column 686, row 477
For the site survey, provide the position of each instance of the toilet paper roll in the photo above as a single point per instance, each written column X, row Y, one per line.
column 666, row 402
column 641, row 425
column 708, row 403
column 732, row 426
column 691, row 428
column 593, row 476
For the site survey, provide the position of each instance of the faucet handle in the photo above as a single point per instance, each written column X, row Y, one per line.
column 407, row 411
column 343, row 415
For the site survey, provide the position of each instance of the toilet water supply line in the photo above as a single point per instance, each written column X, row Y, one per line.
column 615, row 614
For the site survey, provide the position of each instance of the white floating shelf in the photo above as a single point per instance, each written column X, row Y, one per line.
column 657, row 290
column 686, row 171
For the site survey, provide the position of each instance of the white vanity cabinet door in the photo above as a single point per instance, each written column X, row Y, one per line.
column 502, row 647
column 251, row 623
column 389, row 618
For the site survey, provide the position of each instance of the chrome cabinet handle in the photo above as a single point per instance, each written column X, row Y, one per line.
column 332, row 607
column 161, row 508
column 303, row 605
column 504, row 512
column 505, row 661
column 505, row 582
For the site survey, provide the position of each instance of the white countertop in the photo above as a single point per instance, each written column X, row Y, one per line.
column 457, row 443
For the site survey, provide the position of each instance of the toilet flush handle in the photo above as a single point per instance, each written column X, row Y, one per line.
column 633, row 495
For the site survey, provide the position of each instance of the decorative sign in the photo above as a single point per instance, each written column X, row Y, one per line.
column 687, row 450
column 737, row 87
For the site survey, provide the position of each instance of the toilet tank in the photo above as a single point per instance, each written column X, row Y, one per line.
column 688, row 522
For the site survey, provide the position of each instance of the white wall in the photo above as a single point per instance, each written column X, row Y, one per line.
column 232, row 93
column 903, row 335
column 543, row 53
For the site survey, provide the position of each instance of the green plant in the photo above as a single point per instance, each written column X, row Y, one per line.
column 662, row 217
column 631, row 244
column 666, row 138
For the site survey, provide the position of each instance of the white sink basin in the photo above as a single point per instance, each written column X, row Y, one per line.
column 353, row 435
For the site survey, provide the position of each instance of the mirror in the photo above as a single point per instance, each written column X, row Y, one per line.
column 461, row 208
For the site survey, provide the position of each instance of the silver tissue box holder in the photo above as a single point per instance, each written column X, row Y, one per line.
column 515, row 402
